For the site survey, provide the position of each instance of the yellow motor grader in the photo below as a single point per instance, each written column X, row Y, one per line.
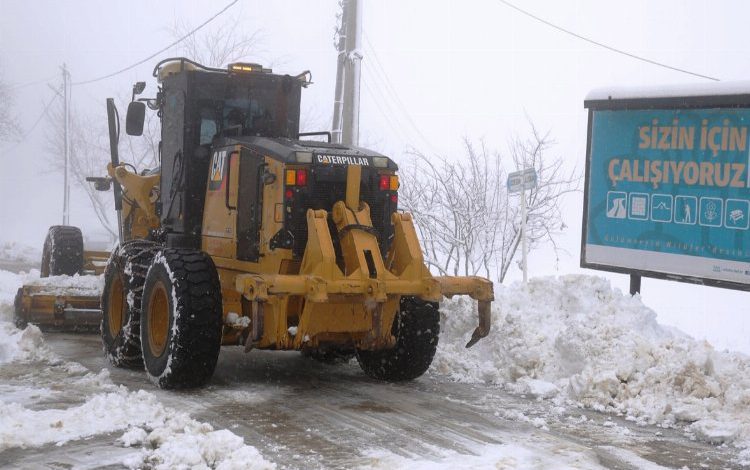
column 250, row 233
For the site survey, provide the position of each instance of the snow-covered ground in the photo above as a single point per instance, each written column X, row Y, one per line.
column 570, row 343
column 576, row 341
column 160, row 437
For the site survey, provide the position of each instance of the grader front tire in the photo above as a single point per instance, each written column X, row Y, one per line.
column 124, row 278
column 182, row 319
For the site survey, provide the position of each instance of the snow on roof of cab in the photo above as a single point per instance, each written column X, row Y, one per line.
column 670, row 91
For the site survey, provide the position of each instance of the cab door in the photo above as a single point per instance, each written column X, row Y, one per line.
column 250, row 205
column 220, row 210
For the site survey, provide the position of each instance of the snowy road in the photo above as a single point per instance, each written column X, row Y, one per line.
column 302, row 414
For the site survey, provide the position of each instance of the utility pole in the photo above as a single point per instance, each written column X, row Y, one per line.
column 66, row 150
column 338, row 95
column 346, row 104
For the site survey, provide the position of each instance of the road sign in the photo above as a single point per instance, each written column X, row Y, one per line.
column 521, row 180
column 667, row 191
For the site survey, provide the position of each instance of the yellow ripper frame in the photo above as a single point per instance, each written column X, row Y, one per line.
column 365, row 293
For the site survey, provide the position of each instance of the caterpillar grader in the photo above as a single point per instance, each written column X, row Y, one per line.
column 251, row 233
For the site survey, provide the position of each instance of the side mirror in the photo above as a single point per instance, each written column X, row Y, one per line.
column 135, row 117
column 100, row 183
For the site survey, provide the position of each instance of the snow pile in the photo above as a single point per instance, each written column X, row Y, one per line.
column 576, row 339
column 54, row 285
column 101, row 413
column 185, row 443
column 9, row 284
column 165, row 438
column 171, row 439
column 23, row 345
column 14, row 251
column 71, row 285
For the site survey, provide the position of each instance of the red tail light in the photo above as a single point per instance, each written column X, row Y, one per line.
column 289, row 194
column 301, row 177
column 385, row 182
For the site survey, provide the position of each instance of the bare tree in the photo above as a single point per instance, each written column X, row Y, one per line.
column 89, row 136
column 219, row 45
column 89, row 154
column 9, row 129
column 467, row 221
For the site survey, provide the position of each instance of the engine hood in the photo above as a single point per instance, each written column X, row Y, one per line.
column 325, row 153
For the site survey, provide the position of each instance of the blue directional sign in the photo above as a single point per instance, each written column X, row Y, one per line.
column 668, row 191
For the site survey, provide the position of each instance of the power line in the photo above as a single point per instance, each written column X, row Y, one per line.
column 36, row 123
column 18, row 86
column 383, row 113
column 159, row 51
column 393, row 117
column 391, row 90
column 597, row 43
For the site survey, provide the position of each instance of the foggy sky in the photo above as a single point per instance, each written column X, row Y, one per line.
column 459, row 68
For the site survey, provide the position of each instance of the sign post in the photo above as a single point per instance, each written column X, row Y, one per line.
column 519, row 182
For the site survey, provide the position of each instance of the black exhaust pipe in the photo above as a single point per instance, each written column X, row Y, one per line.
column 113, row 118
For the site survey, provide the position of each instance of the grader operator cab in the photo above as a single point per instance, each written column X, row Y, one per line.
column 248, row 235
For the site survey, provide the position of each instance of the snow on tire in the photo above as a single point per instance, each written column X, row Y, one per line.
column 416, row 328
column 181, row 319
column 63, row 251
column 124, row 277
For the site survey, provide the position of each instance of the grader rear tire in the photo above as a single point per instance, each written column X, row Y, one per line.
column 182, row 318
column 18, row 319
column 416, row 328
column 63, row 251
column 124, row 277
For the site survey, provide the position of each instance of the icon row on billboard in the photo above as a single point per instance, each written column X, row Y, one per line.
column 686, row 210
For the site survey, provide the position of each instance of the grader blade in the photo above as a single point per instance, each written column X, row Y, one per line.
column 57, row 311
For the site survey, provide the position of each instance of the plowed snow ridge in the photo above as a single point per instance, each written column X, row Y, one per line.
column 576, row 340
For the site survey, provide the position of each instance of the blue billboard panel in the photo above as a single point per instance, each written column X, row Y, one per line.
column 668, row 191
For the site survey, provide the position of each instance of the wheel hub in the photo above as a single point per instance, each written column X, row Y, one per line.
column 116, row 310
column 158, row 319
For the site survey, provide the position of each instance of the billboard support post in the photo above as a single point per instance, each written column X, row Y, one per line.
column 635, row 284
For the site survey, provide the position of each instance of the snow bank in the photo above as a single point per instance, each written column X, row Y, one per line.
column 14, row 251
column 23, row 345
column 170, row 439
column 671, row 91
column 163, row 438
column 185, row 443
column 72, row 285
column 574, row 339
column 18, row 345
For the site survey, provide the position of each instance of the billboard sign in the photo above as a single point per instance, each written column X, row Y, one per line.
column 667, row 190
